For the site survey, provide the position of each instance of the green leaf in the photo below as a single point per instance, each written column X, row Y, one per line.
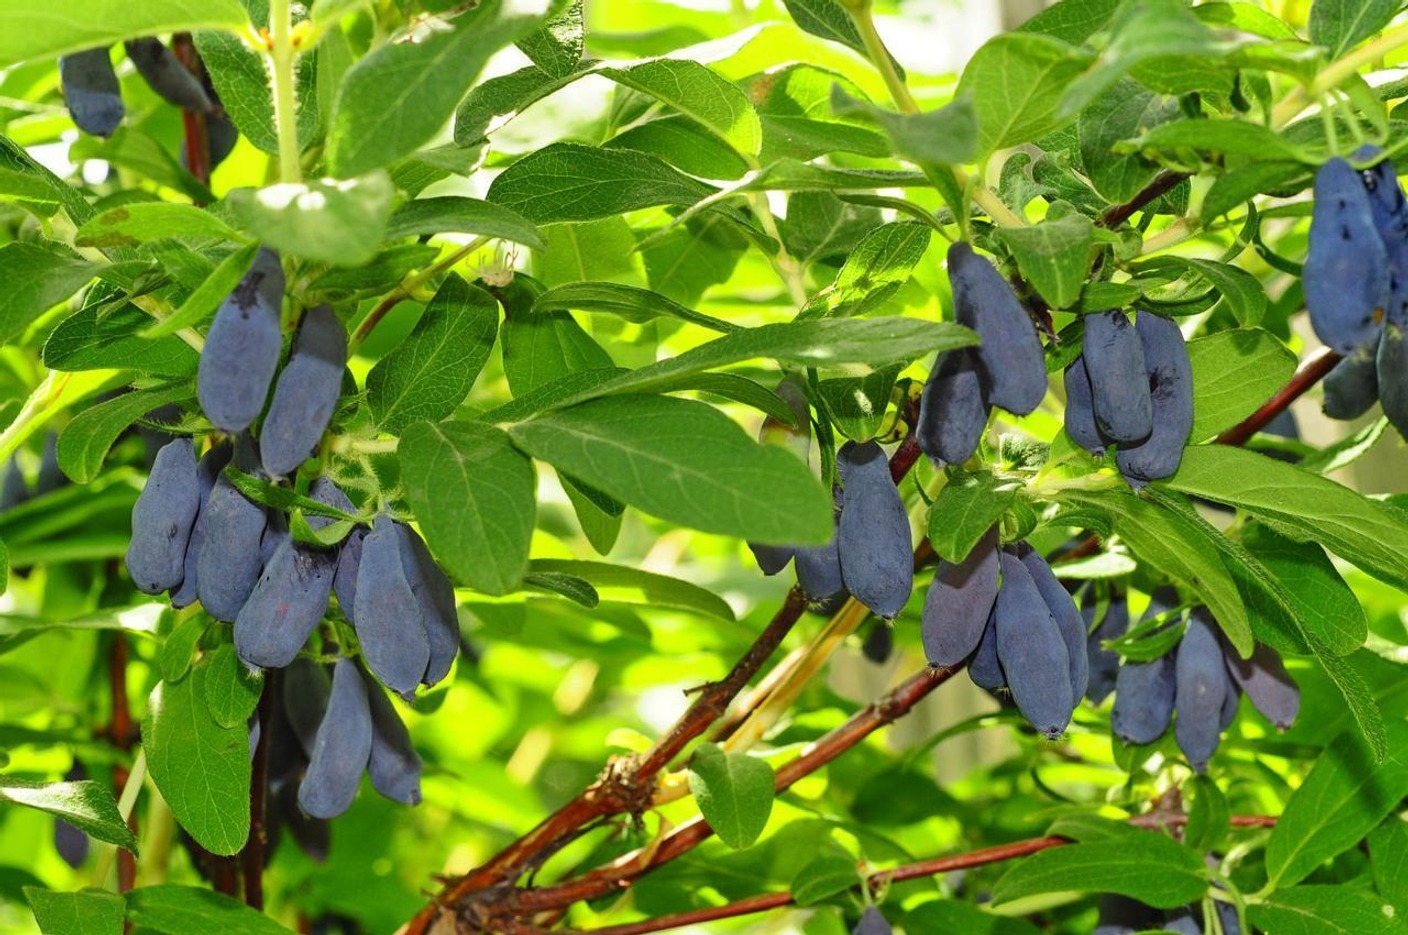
column 455, row 214
column 1304, row 506
column 431, row 372
column 1216, row 135
column 86, row 912
column 636, row 586
column 34, row 30
column 91, row 340
column 587, row 250
column 1118, row 114
column 539, row 348
column 505, row 96
column 231, row 690
column 1180, row 548
column 283, row 499
column 1015, row 82
column 1388, row 859
column 734, row 791
column 1234, row 372
column 328, row 221
column 174, row 658
column 206, row 298
column 241, row 78
column 141, row 152
column 1054, row 256
column 823, row 877
column 700, row 93
column 574, row 589
column 85, row 441
column 1242, row 293
column 857, row 405
column 966, row 509
column 1326, row 605
column 631, row 303
column 1340, row 25
column 597, row 514
column 814, row 343
column 86, row 805
column 131, row 224
column 201, row 768
column 1345, row 796
column 875, row 270
column 819, row 225
column 170, row 909
column 474, row 497
column 684, row 462
column 1150, row 867
column 801, row 138
column 688, row 145
column 1324, row 910
column 571, row 182
column 557, row 47
column 35, row 279
column 829, row 20
column 947, row 135
column 1232, row 189
column 396, row 98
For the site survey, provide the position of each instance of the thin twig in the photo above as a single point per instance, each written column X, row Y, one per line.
column 620, row 874
column 923, row 868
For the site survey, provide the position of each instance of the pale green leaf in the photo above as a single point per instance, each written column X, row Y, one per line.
column 474, row 497
column 455, row 214
column 140, row 222
column 35, row 279
column 85, row 441
column 1234, row 372
column 86, row 912
column 685, row 462
column 170, row 909
column 44, row 30
column 1054, row 256
column 697, row 91
column 201, row 769
column 734, row 791
column 337, row 222
column 231, row 690
column 571, row 182
column 1302, row 505
column 433, row 369
column 1150, row 867
column 395, row 99
column 87, row 805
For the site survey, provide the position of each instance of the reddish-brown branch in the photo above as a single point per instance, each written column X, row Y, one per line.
column 628, row 782
column 923, row 868
column 252, row 857
column 196, row 131
column 623, row 872
column 1315, row 369
column 123, row 735
column 1162, row 184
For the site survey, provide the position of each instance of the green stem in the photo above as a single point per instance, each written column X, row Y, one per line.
column 135, row 777
column 1336, row 73
column 879, row 55
column 408, row 287
column 281, row 66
